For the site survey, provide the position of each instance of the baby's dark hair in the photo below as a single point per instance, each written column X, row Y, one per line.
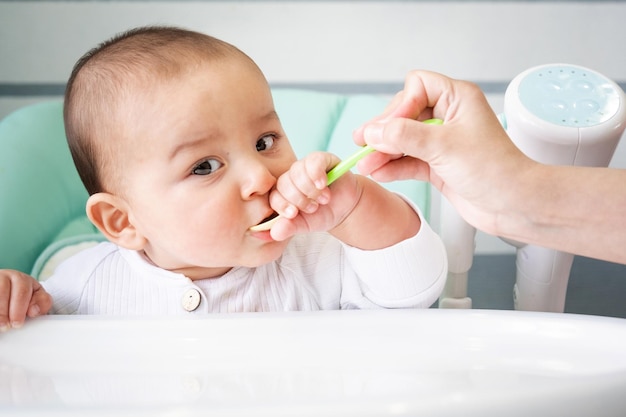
column 103, row 77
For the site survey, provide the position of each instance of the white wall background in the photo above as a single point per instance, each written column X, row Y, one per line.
column 346, row 46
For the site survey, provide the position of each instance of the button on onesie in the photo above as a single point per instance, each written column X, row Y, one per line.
column 191, row 299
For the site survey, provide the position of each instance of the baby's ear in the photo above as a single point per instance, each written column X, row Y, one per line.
column 110, row 214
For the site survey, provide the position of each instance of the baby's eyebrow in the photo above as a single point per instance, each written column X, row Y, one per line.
column 270, row 115
column 195, row 143
column 187, row 144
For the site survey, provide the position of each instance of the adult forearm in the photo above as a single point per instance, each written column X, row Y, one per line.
column 573, row 209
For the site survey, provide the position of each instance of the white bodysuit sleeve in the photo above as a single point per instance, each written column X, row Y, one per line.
column 411, row 273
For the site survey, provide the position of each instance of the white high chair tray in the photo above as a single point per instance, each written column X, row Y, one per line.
column 362, row 363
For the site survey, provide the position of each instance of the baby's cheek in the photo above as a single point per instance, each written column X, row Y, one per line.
column 281, row 167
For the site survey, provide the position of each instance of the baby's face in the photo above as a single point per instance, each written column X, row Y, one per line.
column 204, row 153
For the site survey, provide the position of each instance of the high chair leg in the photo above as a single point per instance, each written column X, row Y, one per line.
column 458, row 238
column 542, row 277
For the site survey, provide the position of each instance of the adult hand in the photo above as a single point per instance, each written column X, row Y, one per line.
column 469, row 158
column 490, row 182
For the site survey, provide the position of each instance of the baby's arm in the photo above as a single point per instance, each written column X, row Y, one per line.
column 21, row 296
column 356, row 210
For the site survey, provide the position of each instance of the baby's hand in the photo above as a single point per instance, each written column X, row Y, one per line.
column 21, row 296
column 303, row 199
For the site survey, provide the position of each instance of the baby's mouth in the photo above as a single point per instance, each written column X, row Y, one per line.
column 266, row 223
column 270, row 217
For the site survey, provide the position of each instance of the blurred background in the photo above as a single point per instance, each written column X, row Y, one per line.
column 352, row 47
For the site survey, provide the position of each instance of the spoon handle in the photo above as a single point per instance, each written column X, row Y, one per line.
column 348, row 163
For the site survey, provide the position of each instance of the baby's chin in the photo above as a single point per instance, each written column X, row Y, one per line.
column 270, row 253
column 262, row 256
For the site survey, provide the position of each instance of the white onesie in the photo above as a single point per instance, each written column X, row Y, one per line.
column 315, row 272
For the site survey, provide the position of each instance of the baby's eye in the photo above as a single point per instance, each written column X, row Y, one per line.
column 265, row 143
column 206, row 167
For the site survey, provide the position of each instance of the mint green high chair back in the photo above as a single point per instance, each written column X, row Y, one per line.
column 42, row 200
column 40, row 191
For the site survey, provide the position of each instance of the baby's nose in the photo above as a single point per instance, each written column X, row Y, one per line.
column 257, row 179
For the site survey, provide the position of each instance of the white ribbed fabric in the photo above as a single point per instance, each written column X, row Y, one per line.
column 316, row 272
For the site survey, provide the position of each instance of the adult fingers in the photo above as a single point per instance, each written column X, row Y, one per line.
column 420, row 99
column 401, row 136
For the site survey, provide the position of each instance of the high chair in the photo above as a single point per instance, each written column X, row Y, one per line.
column 332, row 363
column 42, row 200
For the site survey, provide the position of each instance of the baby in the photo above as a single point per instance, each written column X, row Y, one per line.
column 175, row 136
